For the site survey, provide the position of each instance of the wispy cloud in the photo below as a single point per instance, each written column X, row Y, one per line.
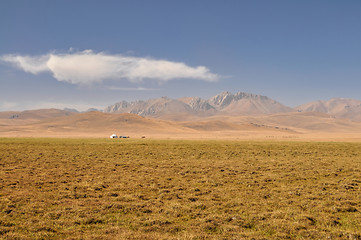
column 133, row 89
column 20, row 106
column 28, row 64
column 87, row 67
column 7, row 106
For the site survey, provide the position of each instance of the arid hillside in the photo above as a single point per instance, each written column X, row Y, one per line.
column 337, row 107
column 97, row 124
column 224, row 116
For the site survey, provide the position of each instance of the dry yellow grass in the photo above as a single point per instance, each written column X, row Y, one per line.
column 158, row 189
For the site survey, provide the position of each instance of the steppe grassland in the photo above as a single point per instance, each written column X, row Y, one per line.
column 173, row 189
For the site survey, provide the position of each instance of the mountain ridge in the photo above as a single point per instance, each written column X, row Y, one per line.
column 337, row 107
column 188, row 108
column 224, row 103
column 226, row 115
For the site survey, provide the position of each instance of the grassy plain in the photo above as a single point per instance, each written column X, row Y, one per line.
column 175, row 189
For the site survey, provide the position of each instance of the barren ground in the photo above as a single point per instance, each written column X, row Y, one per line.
column 178, row 189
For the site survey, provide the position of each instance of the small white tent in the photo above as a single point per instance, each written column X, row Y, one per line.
column 113, row 136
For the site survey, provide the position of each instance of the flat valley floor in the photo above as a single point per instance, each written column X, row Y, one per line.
column 179, row 189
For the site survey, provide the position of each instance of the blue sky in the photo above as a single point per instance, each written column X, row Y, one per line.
column 84, row 54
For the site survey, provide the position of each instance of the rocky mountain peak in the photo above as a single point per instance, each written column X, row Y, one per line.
column 223, row 103
column 197, row 103
column 221, row 99
column 225, row 98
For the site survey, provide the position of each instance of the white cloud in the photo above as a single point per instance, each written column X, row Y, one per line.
column 29, row 64
column 88, row 67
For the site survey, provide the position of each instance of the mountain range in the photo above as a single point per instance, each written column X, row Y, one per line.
column 336, row 107
column 224, row 116
column 230, row 104
column 224, row 103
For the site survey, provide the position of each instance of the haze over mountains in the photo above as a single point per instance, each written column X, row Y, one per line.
column 226, row 115
column 337, row 107
column 224, row 103
column 227, row 103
